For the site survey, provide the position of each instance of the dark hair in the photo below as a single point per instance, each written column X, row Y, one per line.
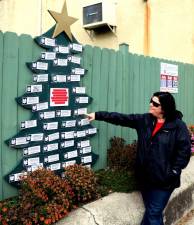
column 168, row 105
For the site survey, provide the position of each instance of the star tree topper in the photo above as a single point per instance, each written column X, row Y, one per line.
column 63, row 22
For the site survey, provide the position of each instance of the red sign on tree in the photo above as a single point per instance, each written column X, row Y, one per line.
column 59, row 97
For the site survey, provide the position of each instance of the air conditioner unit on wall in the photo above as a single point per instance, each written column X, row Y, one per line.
column 99, row 14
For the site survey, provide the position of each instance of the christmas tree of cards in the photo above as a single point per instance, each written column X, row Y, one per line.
column 58, row 134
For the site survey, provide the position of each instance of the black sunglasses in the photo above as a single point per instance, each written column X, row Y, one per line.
column 155, row 104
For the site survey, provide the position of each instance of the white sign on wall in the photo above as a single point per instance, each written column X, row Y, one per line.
column 169, row 77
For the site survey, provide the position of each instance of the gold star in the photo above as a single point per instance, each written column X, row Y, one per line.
column 63, row 22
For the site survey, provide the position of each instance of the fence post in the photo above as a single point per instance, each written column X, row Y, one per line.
column 124, row 48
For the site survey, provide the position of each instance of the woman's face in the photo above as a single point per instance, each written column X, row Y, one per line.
column 155, row 107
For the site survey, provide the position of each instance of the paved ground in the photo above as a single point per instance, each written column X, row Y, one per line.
column 114, row 209
column 188, row 219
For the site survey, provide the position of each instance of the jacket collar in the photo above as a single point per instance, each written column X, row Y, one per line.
column 167, row 124
column 170, row 124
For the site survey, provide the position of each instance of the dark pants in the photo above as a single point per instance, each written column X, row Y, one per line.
column 154, row 201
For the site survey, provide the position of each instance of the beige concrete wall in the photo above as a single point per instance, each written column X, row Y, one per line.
column 20, row 16
column 163, row 29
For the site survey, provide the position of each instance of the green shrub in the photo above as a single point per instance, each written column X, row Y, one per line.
column 121, row 156
column 110, row 180
column 119, row 175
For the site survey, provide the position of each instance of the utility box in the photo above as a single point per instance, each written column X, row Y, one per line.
column 99, row 14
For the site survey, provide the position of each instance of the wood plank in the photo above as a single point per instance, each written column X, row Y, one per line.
column 187, row 93
column 118, row 90
column 1, row 85
column 136, row 87
column 26, row 45
column 191, row 116
column 96, row 64
column 141, row 89
column 87, row 82
column 112, row 73
column 147, row 83
column 182, row 88
column 37, row 51
column 103, row 104
column 9, row 109
column 180, row 74
column 155, row 79
column 131, row 58
column 87, row 64
column 125, row 131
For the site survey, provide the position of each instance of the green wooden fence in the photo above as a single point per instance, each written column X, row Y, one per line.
column 117, row 81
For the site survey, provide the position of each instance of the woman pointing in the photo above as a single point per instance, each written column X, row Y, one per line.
column 163, row 150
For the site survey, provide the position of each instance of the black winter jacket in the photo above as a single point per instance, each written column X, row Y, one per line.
column 160, row 158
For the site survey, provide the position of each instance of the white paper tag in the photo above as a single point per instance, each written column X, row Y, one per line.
column 51, row 158
column 92, row 131
column 86, row 150
column 40, row 106
column 52, row 137
column 83, row 144
column 48, row 41
column 30, row 100
column 75, row 59
column 67, row 144
column 73, row 78
column 79, row 90
column 31, row 150
column 70, row 123
column 86, row 159
column 34, row 167
column 19, row 141
column 70, row 155
column 34, row 88
column 48, row 55
column 36, row 137
column 40, row 77
column 84, row 122
column 78, row 71
column 68, row 163
column 40, row 65
column 53, row 167
column 59, row 78
column 81, row 133
column 47, row 115
column 67, row 135
column 60, row 62
column 81, row 111
column 31, row 161
column 29, row 124
column 50, row 126
column 61, row 49
column 82, row 100
column 63, row 113
column 16, row 177
column 76, row 47
column 51, row 147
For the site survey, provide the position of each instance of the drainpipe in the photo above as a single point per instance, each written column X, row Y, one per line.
column 147, row 17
